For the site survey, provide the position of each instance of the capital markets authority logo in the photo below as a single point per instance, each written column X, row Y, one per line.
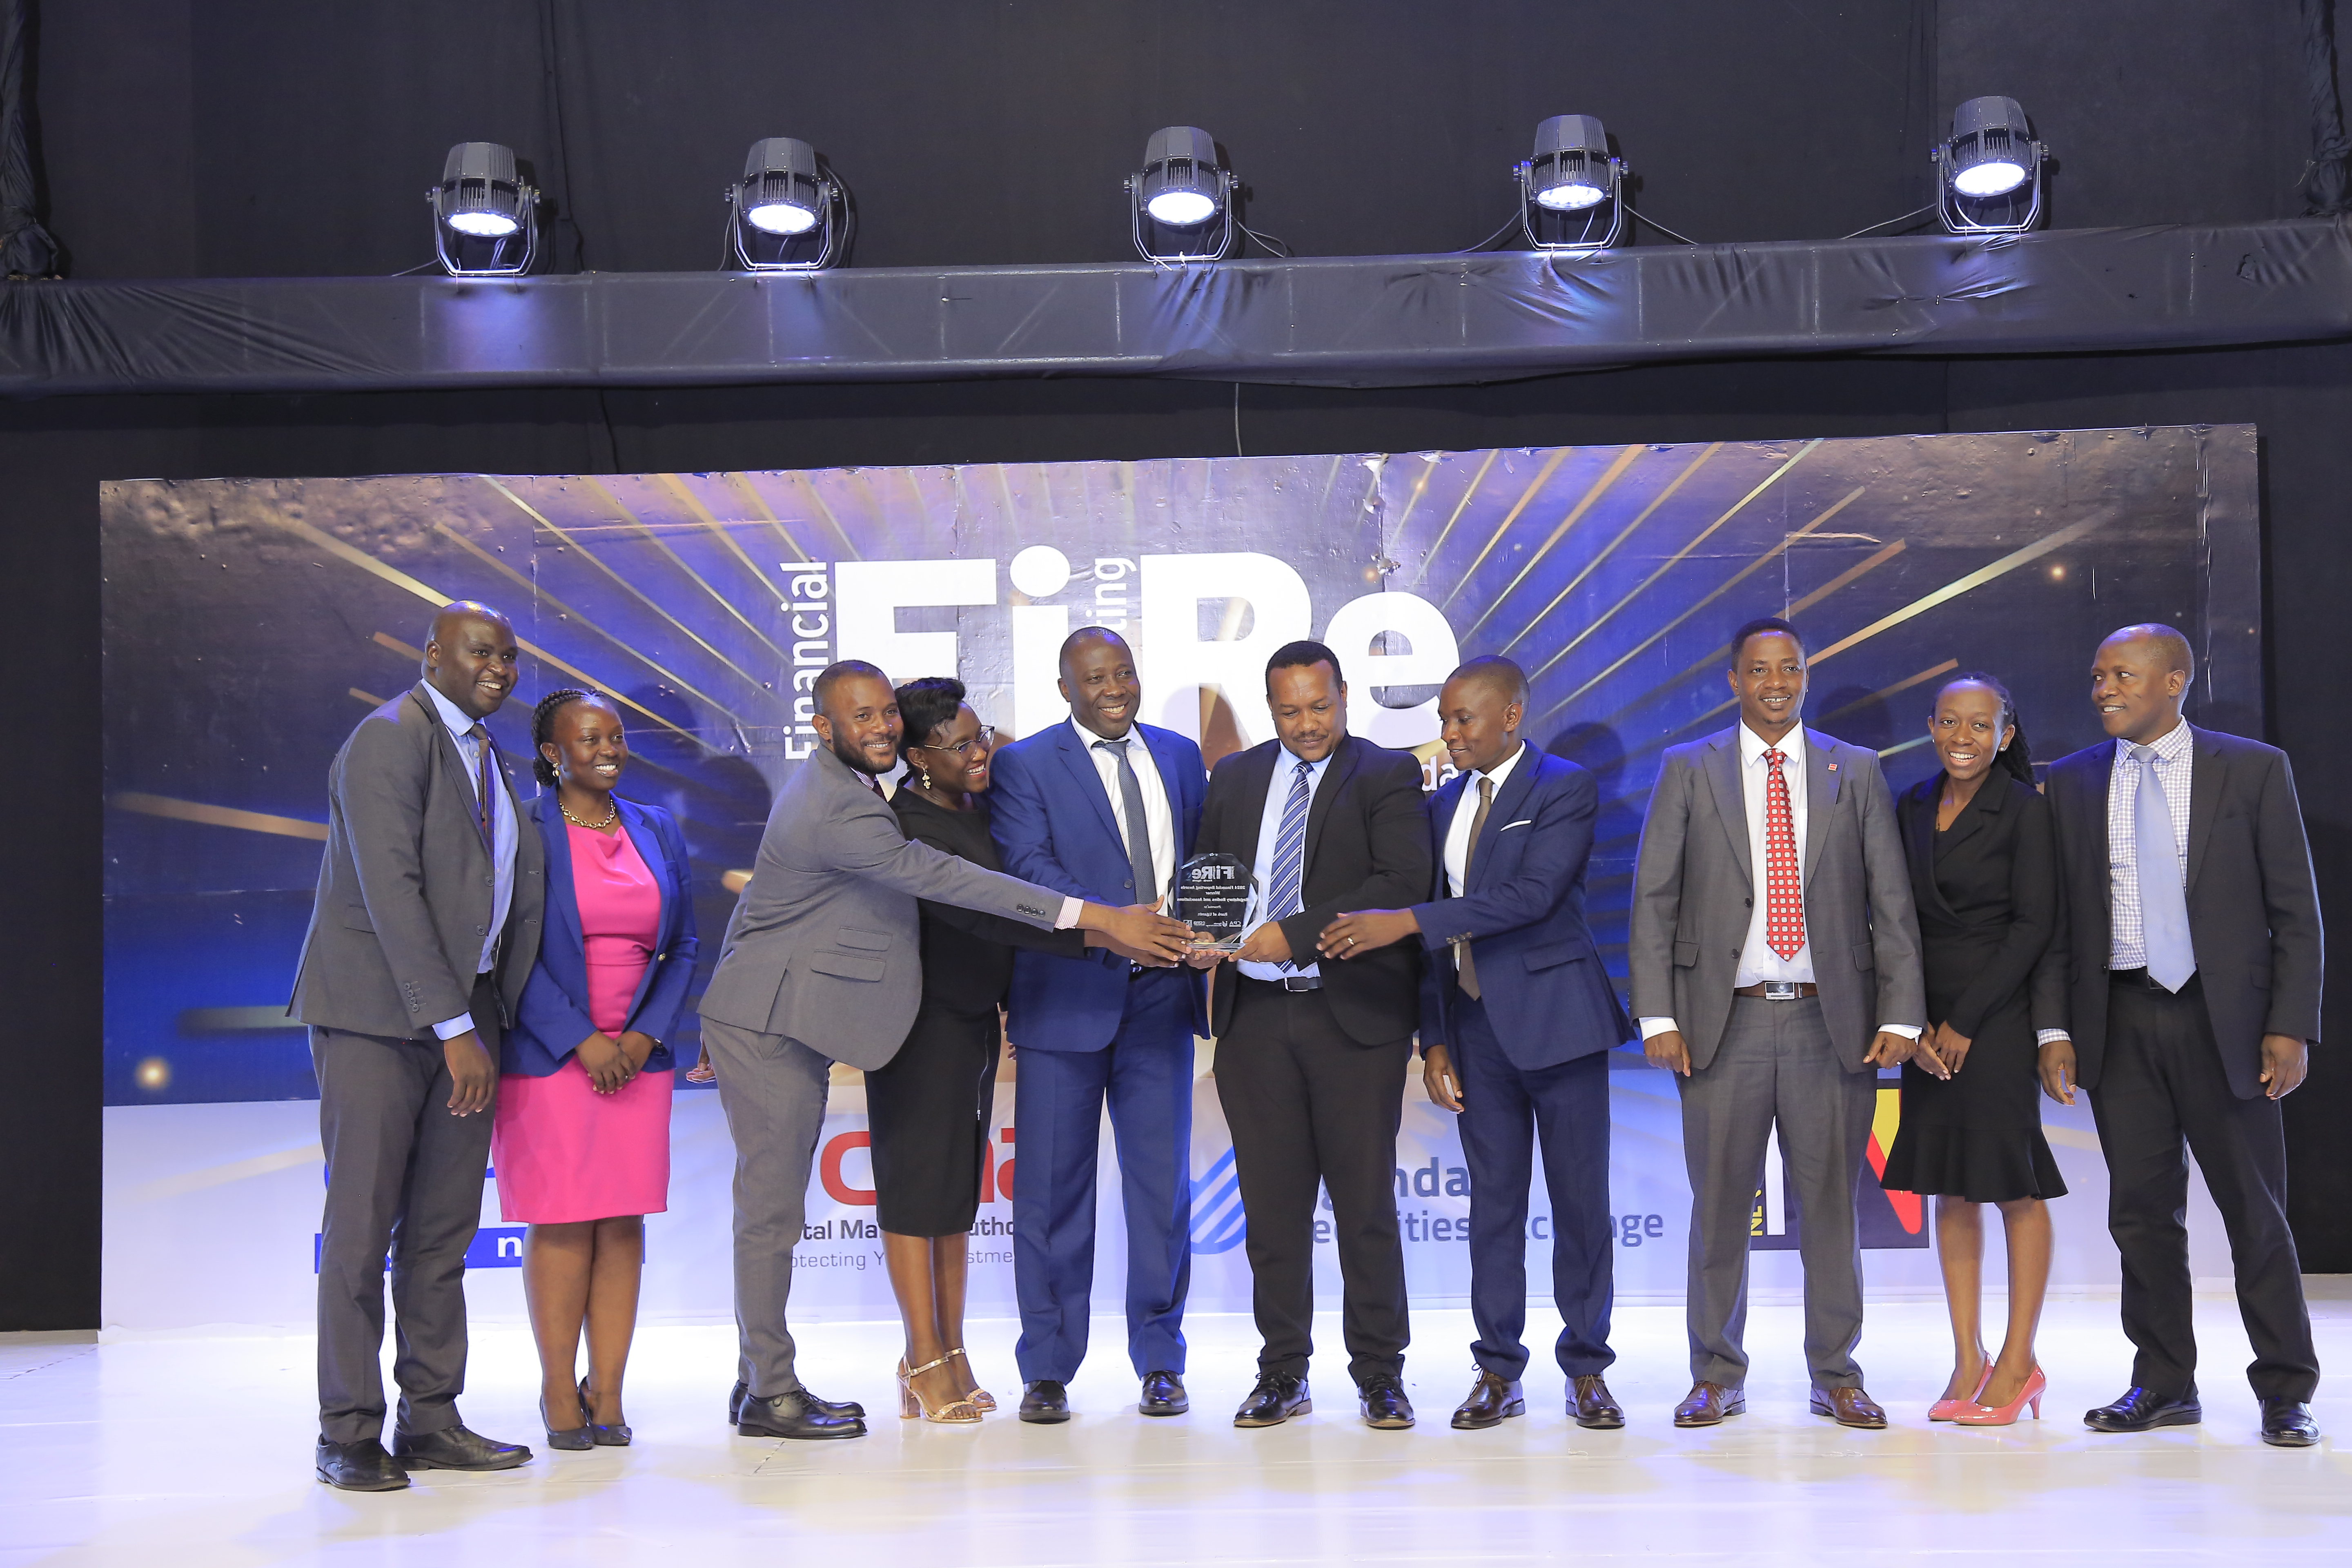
column 1218, row 1223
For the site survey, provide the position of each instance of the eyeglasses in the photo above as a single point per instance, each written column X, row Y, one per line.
column 986, row 740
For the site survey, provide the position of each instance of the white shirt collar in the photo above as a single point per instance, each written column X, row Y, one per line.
column 459, row 722
column 1087, row 738
column 1752, row 746
column 1502, row 770
column 2175, row 744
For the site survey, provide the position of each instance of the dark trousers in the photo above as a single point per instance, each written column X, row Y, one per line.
column 1145, row 1076
column 2162, row 1088
column 1307, row 1106
column 1506, row 1112
column 402, row 1174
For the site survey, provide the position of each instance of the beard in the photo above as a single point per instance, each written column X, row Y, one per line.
column 857, row 760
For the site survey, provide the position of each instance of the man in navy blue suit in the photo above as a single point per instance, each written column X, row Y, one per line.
column 1514, row 1032
column 1103, row 809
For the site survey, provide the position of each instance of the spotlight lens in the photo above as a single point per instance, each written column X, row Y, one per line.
column 1992, row 179
column 781, row 217
column 483, row 226
column 1180, row 209
column 1569, row 197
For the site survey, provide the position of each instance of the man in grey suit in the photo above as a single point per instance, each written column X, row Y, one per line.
column 820, row 964
column 1775, row 962
column 424, row 932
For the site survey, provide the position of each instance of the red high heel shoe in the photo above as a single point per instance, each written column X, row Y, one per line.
column 1946, row 1409
column 2006, row 1414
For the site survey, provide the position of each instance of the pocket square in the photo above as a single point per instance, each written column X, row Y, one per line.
column 1521, row 822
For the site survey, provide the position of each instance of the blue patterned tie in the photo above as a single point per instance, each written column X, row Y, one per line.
column 1284, row 877
column 2163, row 901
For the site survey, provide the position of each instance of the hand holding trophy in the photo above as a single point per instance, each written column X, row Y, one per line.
column 1214, row 895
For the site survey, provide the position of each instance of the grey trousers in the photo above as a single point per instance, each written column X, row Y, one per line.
column 773, row 1091
column 1775, row 1064
column 402, row 1174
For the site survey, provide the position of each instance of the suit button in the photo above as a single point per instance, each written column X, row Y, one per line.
column 1749, row 903
column 1128, row 884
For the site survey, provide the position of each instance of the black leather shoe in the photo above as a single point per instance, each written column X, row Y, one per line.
column 2287, row 1423
column 361, row 1466
column 848, row 1409
column 1491, row 1399
column 1278, row 1397
column 1590, row 1403
column 1383, row 1403
column 1044, row 1402
column 2138, row 1410
column 566, row 1439
column 1164, row 1395
column 793, row 1415
column 455, row 1448
column 614, row 1435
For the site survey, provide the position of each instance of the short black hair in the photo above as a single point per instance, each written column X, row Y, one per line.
column 832, row 674
column 1492, row 670
column 1759, row 626
column 1301, row 654
column 1084, row 635
column 924, row 705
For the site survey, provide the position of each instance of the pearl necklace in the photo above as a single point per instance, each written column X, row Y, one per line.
column 610, row 817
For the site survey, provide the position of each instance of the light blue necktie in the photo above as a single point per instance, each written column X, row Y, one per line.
column 1289, row 853
column 2163, row 901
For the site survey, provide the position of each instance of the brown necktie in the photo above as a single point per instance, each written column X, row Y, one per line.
column 1465, row 966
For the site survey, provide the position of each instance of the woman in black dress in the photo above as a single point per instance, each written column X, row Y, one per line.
column 928, row 1108
column 1984, row 875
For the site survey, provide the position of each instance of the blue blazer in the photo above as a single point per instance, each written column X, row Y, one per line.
column 1054, row 825
column 554, row 1016
column 1540, row 975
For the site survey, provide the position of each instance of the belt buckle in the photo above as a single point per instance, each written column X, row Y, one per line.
column 1780, row 991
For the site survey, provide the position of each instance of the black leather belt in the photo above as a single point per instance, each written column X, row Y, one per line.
column 1292, row 983
column 1779, row 990
column 2140, row 980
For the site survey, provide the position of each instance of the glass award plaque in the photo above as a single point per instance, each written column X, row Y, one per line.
column 1213, row 895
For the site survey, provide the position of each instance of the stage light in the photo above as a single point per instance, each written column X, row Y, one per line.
column 1571, row 172
column 788, row 214
column 1989, row 170
column 1180, row 191
column 485, row 219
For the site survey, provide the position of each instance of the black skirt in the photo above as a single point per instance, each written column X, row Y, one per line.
column 1977, row 1135
column 929, row 1111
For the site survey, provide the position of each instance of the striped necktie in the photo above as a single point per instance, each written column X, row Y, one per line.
column 1285, row 878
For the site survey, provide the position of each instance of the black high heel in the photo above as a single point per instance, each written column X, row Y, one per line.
column 616, row 1436
column 572, row 1439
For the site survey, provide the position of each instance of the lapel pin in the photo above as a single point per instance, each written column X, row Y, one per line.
column 1833, row 767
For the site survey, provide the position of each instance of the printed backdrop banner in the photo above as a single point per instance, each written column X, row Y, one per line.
column 249, row 625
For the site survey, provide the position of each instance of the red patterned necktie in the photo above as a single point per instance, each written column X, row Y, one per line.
column 1784, row 890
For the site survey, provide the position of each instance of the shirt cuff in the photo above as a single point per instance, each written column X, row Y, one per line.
column 1071, row 910
column 2044, row 1037
column 1658, row 1027
column 1909, row 1031
column 450, row 1028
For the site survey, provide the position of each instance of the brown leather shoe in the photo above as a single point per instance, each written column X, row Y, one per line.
column 1491, row 1400
column 1590, row 1401
column 1708, row 1404
column 1848, row 1407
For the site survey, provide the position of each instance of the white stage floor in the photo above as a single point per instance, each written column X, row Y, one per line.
column 197, row 1451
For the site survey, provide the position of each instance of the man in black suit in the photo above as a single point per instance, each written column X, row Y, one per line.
column 1311, row 1056
column 2193, row 920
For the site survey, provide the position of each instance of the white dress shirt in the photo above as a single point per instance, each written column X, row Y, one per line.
column 1465, row 811
column 502, row 842
column 1269, row 830
column 1758, row 962
column 1158, row 821
column 2175, row 763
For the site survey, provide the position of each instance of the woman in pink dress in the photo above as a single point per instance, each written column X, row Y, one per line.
column 581, row 1141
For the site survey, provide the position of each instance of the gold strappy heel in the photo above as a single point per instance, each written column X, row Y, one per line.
column 955, row 1413
column 979, row 1397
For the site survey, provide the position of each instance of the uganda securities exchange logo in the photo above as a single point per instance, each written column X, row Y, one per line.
column 1218, row 1223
